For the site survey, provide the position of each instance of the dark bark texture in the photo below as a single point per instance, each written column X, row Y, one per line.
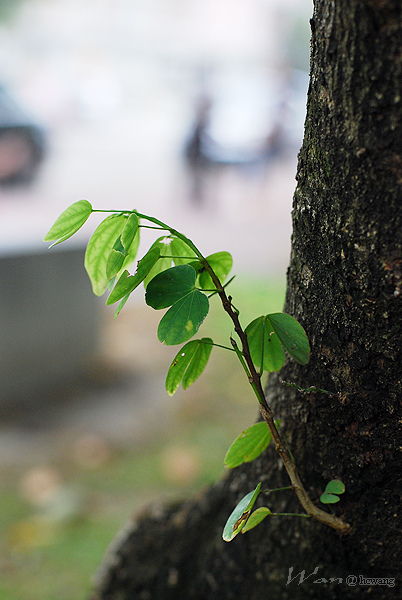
column 344, row 286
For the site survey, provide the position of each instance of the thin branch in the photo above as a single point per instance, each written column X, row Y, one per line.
column 281, row 489
column 289, row 515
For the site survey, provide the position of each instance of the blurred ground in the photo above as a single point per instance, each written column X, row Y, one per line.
column 114, row 83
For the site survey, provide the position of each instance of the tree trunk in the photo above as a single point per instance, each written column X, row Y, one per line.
column 344, row 286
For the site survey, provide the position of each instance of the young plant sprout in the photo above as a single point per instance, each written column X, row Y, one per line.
column 177, row 277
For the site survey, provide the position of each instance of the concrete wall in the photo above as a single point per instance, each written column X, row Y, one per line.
column 49, row 321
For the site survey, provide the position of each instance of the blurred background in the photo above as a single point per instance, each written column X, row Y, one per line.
column 191, row 111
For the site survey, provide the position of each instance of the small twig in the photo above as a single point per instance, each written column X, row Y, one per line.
column 290, row 515
column 288, row 487
column 217, row 345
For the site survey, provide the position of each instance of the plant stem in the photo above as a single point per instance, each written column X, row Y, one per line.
column 289, row 515
column 288, row 487
column 219, row 346
column 151, row 227
column 119, row 212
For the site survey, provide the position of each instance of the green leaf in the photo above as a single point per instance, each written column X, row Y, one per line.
column 130, row 231
column 181, row 251
column 98, row 250
column 248, row 445
column 69, row 222
column 265, row 348
column 188, row 364
column 335, row 487
column 179, row 365
column 121, row 288
column 131, row 252
column 221, row 263
column 128, row 243
column 292, row 336
column 118, row 246
column 121, row 305
column 114, row 263
column 169, row 247
column 266, row 335
column 184, row 318
column 329, row 498
column 170, row 286
column 197, row 266
column 240, row 514
column 175, row 287
column 256, row 517
column 198, row 362
column 128, row 284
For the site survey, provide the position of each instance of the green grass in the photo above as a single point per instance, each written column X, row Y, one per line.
column 52, row 554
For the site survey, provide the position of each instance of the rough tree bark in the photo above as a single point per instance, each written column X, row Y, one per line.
column 344, row 285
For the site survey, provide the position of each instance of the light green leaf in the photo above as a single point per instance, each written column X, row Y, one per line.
column 181, row 249
column 169, row 247
column 256, row 517
column 170, row 286
column 184, row 318
column 121, row 305
column 131, row 252
column 335, row 487
column 221, row 263
column 179, row 365
column 128, row 284
column 292, row 336
column 163, row 243
column 248, row 445
column 98, row 250
column 121, row 288
column 329, row 498
column 188, row 364
column 114, row 263
column 198, row 362
column 128, row 243
column 265, row 348
column 130, row 231
column 69, row 222
column 118, row 246
column 240, row 514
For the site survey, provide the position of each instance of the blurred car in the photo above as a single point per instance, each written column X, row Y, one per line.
column 22, row 143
